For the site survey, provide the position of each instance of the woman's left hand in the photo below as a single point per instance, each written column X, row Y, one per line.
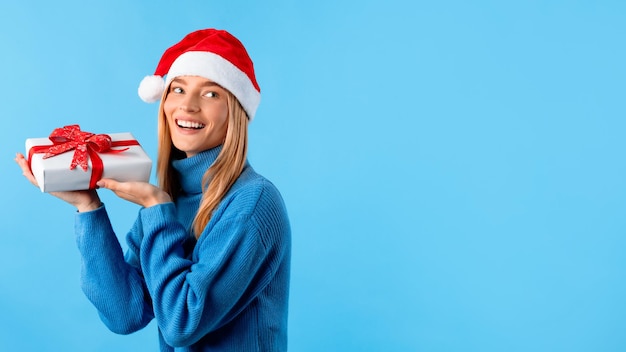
column 142, row 193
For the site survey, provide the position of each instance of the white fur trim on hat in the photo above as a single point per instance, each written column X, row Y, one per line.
column 151, row 88
column 219, row 70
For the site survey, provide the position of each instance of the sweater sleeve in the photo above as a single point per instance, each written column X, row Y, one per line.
column 194, row 296
column 114, row 286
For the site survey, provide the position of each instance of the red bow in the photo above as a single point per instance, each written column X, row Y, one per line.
column 86, row 145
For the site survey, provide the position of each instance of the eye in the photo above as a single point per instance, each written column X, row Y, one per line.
column 211, row 95
column 177, row 90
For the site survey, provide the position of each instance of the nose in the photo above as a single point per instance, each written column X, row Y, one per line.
column 189, row 104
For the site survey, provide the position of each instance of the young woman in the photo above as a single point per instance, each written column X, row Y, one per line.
column 209, row 253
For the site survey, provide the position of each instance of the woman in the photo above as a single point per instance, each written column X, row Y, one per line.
column 209, row 253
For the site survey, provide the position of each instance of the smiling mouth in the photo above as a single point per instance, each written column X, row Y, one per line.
column 190, row 124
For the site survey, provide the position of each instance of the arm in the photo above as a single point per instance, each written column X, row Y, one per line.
column 192, row 297
column 195, row 295
column 114, row 286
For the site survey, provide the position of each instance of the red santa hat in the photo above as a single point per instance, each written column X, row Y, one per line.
column 210, row 53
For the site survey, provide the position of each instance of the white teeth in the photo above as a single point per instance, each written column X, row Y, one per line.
column 189, row 124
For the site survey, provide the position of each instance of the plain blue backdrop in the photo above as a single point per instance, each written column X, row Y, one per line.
column 454, row 170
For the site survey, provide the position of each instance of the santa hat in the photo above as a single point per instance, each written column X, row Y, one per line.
column 210, row 53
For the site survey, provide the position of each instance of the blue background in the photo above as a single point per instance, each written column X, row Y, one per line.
column 454, row 171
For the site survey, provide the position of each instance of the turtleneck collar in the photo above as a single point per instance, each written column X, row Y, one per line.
column 190, row 170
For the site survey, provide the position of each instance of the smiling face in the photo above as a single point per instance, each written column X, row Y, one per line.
column 196, row 111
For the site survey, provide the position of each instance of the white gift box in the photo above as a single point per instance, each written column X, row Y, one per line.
column 54, row 174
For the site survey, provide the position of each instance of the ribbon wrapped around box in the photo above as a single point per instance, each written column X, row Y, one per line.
column 71, row 159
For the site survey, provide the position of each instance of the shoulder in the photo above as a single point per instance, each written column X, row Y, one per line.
column 254, row 205
column 254, row 195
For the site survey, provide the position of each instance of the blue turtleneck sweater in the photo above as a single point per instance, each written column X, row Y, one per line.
column 227, row 291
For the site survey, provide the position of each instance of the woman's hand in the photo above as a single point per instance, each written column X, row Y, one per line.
column 142, row 193
column 82, row 200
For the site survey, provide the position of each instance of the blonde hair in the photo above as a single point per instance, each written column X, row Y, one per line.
column 220, row 176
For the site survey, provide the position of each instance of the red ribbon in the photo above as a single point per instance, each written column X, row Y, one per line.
column 86, row 145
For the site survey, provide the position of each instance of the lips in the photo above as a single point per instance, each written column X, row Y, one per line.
column 190, row 124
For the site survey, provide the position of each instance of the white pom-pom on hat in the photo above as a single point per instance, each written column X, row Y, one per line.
column 151, row 88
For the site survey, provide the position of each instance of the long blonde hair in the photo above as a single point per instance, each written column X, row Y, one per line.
column 220, row 176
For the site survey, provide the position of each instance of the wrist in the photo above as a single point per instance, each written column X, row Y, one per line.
column 91, row 206
column 159, row 198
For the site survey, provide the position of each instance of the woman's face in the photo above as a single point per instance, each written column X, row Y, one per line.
column 196, row 110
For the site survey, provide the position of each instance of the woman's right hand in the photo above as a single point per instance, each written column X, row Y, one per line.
column 83, row 200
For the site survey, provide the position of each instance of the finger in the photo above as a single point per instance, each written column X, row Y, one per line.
column 23, row 164
column 109, row 183
column 20, row 160
column 122, row 189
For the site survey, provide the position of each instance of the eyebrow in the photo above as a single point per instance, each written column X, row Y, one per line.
column 205, row 84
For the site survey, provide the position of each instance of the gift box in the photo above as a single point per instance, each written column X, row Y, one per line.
column 71, row 159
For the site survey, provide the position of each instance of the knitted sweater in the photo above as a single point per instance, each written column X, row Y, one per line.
column 228, row 291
